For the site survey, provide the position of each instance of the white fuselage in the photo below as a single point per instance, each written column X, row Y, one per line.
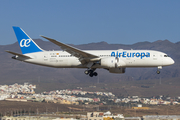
column 127, row 58
column 115, row 61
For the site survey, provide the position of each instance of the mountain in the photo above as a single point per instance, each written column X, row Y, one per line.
column 16, row 71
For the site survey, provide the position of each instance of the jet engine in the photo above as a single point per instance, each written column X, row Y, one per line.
column 112, row 62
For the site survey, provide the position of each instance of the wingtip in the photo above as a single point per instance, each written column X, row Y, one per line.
column 7, row 51
column 42, row 36
column 46, row 37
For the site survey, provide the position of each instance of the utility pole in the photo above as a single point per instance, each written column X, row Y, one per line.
column 24, row 111
column 37, row 111
column 39, row 79
column 29, row 111
column 83, row 108
column 98, row 80
column 46, row 110
column 98, row 108
column 160, row 80
column 57, row 110
column 20, row 112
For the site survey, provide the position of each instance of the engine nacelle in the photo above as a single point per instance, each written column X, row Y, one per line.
column 117, row 70
column 112, row 62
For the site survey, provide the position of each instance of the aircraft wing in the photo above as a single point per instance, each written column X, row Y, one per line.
column 20, row 55
column 84, row 57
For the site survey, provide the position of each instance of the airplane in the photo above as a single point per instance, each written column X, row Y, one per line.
column 115, row 61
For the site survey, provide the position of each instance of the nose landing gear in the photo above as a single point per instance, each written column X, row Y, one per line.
column 159, row 67
column 158, row 72
column 91, row 72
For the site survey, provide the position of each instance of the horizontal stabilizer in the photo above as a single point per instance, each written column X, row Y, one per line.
column 20, row 55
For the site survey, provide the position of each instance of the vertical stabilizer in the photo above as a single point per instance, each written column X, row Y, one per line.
column 26, row 44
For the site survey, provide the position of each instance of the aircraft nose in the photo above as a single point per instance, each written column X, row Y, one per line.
column 170, row 61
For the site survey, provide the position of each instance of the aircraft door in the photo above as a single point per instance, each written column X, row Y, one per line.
column 154, row 56
column 45, row 57
column 158, row 59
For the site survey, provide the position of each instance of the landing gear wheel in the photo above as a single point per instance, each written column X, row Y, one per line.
column 95, row 74
column 91, row 75
column 158, row 72
column 86, row 72
column 90, row 72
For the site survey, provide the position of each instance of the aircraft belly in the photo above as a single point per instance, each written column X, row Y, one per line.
column 54, row 62
column 67, row 62
column 144, row 62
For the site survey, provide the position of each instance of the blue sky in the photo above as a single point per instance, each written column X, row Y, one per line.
column 87, row 21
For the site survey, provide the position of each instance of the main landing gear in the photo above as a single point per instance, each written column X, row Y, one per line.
column 91, row 72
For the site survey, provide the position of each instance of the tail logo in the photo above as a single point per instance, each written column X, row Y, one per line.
column 25, row 42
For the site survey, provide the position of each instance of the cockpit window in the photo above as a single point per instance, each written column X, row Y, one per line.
column 165, row 55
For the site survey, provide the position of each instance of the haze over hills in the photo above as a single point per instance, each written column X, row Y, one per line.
column 16, row 71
